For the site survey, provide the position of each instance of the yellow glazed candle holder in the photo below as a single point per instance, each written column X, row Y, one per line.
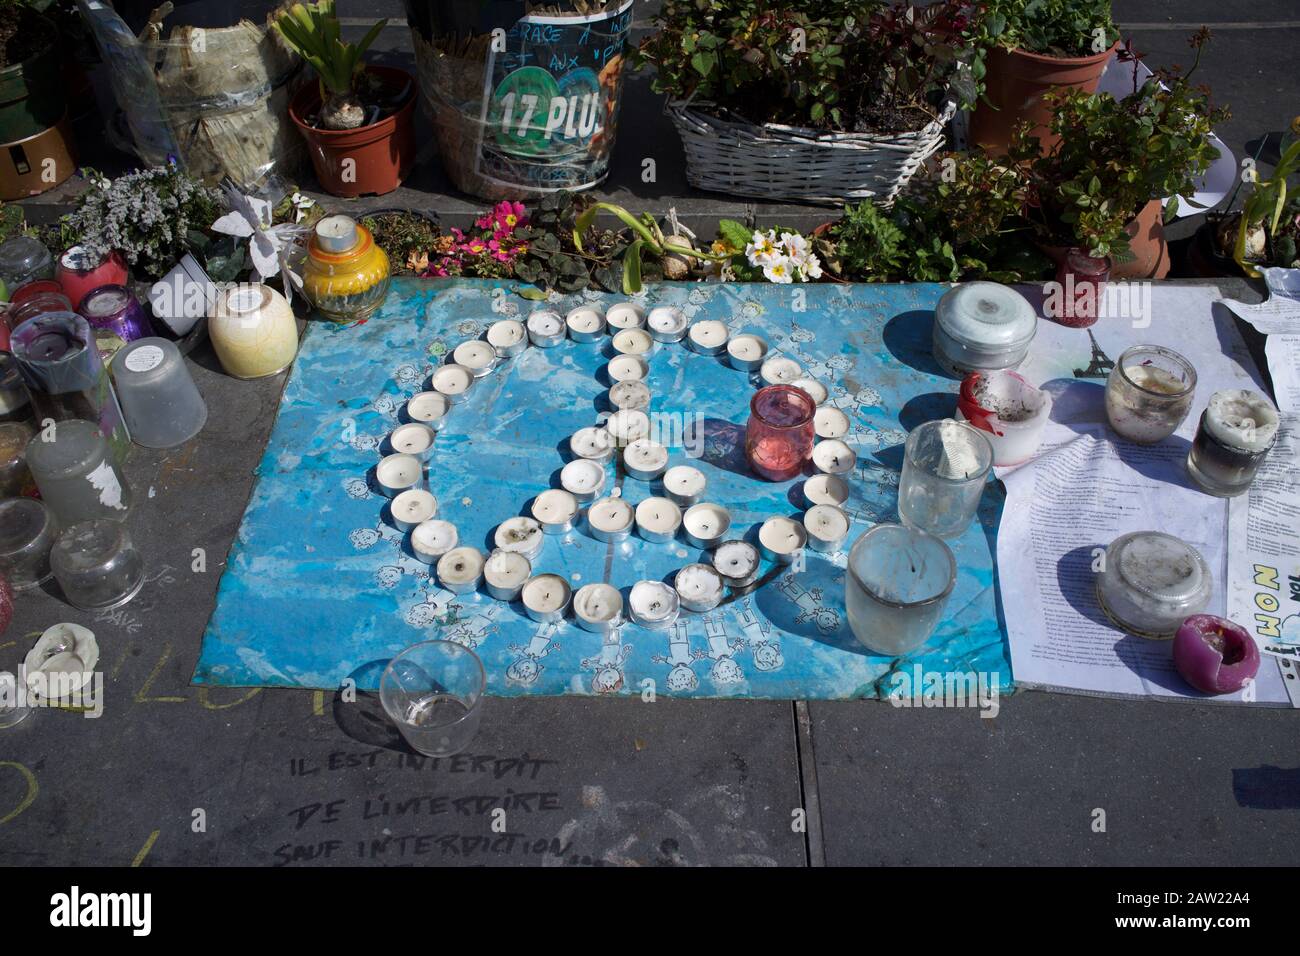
column 253, row 331
column 346, row 273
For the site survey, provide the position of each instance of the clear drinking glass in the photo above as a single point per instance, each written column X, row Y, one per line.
column 27, row 531
column 945, row 467
column 433, row 692
column 898, row 583
column 96, row 565
column 1149, row 393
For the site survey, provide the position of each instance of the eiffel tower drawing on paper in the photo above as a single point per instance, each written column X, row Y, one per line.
column 1101, row 364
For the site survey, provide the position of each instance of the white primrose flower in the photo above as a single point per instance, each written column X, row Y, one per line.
column 795, row 245
column 779, row 270
column 810, row 267
column 762, row 249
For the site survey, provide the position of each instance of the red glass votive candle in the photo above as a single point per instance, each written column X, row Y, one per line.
column 79, row 272
column 779, row 436
column 1081, row 279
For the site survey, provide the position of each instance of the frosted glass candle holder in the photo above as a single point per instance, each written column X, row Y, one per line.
column 163, row 408
column 27, row 532
column 76, row 474
column 897, row 585
column 945, row 467
column 96, row 565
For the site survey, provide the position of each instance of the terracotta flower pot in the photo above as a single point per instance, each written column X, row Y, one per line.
column 369, row 160
column 1015, row 81
column 1150, row 258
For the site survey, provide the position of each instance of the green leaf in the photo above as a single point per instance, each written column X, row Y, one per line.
column 704, row 62
column 531, row 292
column 632, row 268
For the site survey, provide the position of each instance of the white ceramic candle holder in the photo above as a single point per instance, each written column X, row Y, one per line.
column 505, row 573
column 521, row 534
column 477, row 356
column 780, row 370
column 699, row 587
column 630, row 395
column 598, row 607
column 411, row 508
column 746, row 352
column 396, row 473
column 546, row 597
column 586, row 323
column 453, row 382
column 414, row 439
column 653, row 604
column 624, row 315
column 627, row 425
column 667, row 323
column 555, row 510
column 657, row 519
column 593, row 443
column 684, row 485
column 610, row 519
column 428, row 408
column 460, row 570
column 546, row 329
column 633, row 342
column 705, row 524
column 583, row 478
column 508, row 336
column 430, row 540
column 830, row 422
column 781, row 538
column 644, row 459
column 832, row 457
column 708, row 337
column 827, row 527
column 826, row 490
column 737, row 562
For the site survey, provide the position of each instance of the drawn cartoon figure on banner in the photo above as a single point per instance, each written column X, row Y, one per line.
column 722, row 651
column 363, row 539
column 681, row 678
column 527, row 667
column 385, row 405
column 809, row 603
column 607, row 666
column 476, row 629
column 758, row 637
column 357, row 488
column 406, row 376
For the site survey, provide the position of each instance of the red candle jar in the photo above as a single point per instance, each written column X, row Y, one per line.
column 1081, row 280
column 779, row 436
column 78, row 272
column 39, row 287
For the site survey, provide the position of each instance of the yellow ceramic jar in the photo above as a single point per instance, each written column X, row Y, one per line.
column 346, row 273
column 253, row 331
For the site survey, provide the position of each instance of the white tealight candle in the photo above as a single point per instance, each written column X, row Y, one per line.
column 833, row 457
column 830, row 422
column 504, row 574
column 781, row 370
column 667, row 323
column 592, row 442
column 610, row 519
column 684, row 484
column 781, row 538
column 625, row 315
column 630, row 395
column 546, row 597
column 586, row 323
column 627, row 425
column 430, row 540
column 813, row 388
column 746, row 352
column 520, row 534
column 657, row 519
column 653, row 604
column 461, row 569
column 429, row 408
column 583, row 478
column 628, row 368
column 396, row 473
column 826, row 490
column 411, row 507
column 555, row 510
column 545, row 329
column 598, row 607
column 699, row 587
column 413, row 438
column 477, row 356
column 645, row 460
column 452, row 382
column 708, row 337
column 633, row 342
column 508, row 337
column 827, row 527
column 737, row 562
column 705, row 524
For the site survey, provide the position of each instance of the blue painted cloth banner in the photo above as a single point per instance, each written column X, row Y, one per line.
column 320, row 586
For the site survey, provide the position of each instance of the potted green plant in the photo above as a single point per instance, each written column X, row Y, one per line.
column 828, row 101
column 1265, row 231
column 358, row 120
column 1100, row 185
column 1028, row 47
column 32, row 103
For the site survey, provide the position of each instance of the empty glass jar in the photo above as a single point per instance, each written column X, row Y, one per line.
column 433, row 692
column 76, row 474
column 96, row 565
column 945, row 467
column 898, row 584
column 27, row 532
column 1149, row 393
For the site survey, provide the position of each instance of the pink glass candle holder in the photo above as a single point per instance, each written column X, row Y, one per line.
column 779, row 436
column 1081, row 279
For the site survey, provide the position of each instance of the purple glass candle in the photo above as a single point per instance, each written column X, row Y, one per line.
column 114, row 308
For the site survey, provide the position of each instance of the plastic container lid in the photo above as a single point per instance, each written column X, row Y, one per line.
column 22, row 258
column 985, row 315
column 1161, row 566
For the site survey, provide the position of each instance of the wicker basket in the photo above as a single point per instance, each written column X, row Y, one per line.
column 729, row 155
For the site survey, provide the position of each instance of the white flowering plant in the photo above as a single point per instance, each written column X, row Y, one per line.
column 777, row 255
